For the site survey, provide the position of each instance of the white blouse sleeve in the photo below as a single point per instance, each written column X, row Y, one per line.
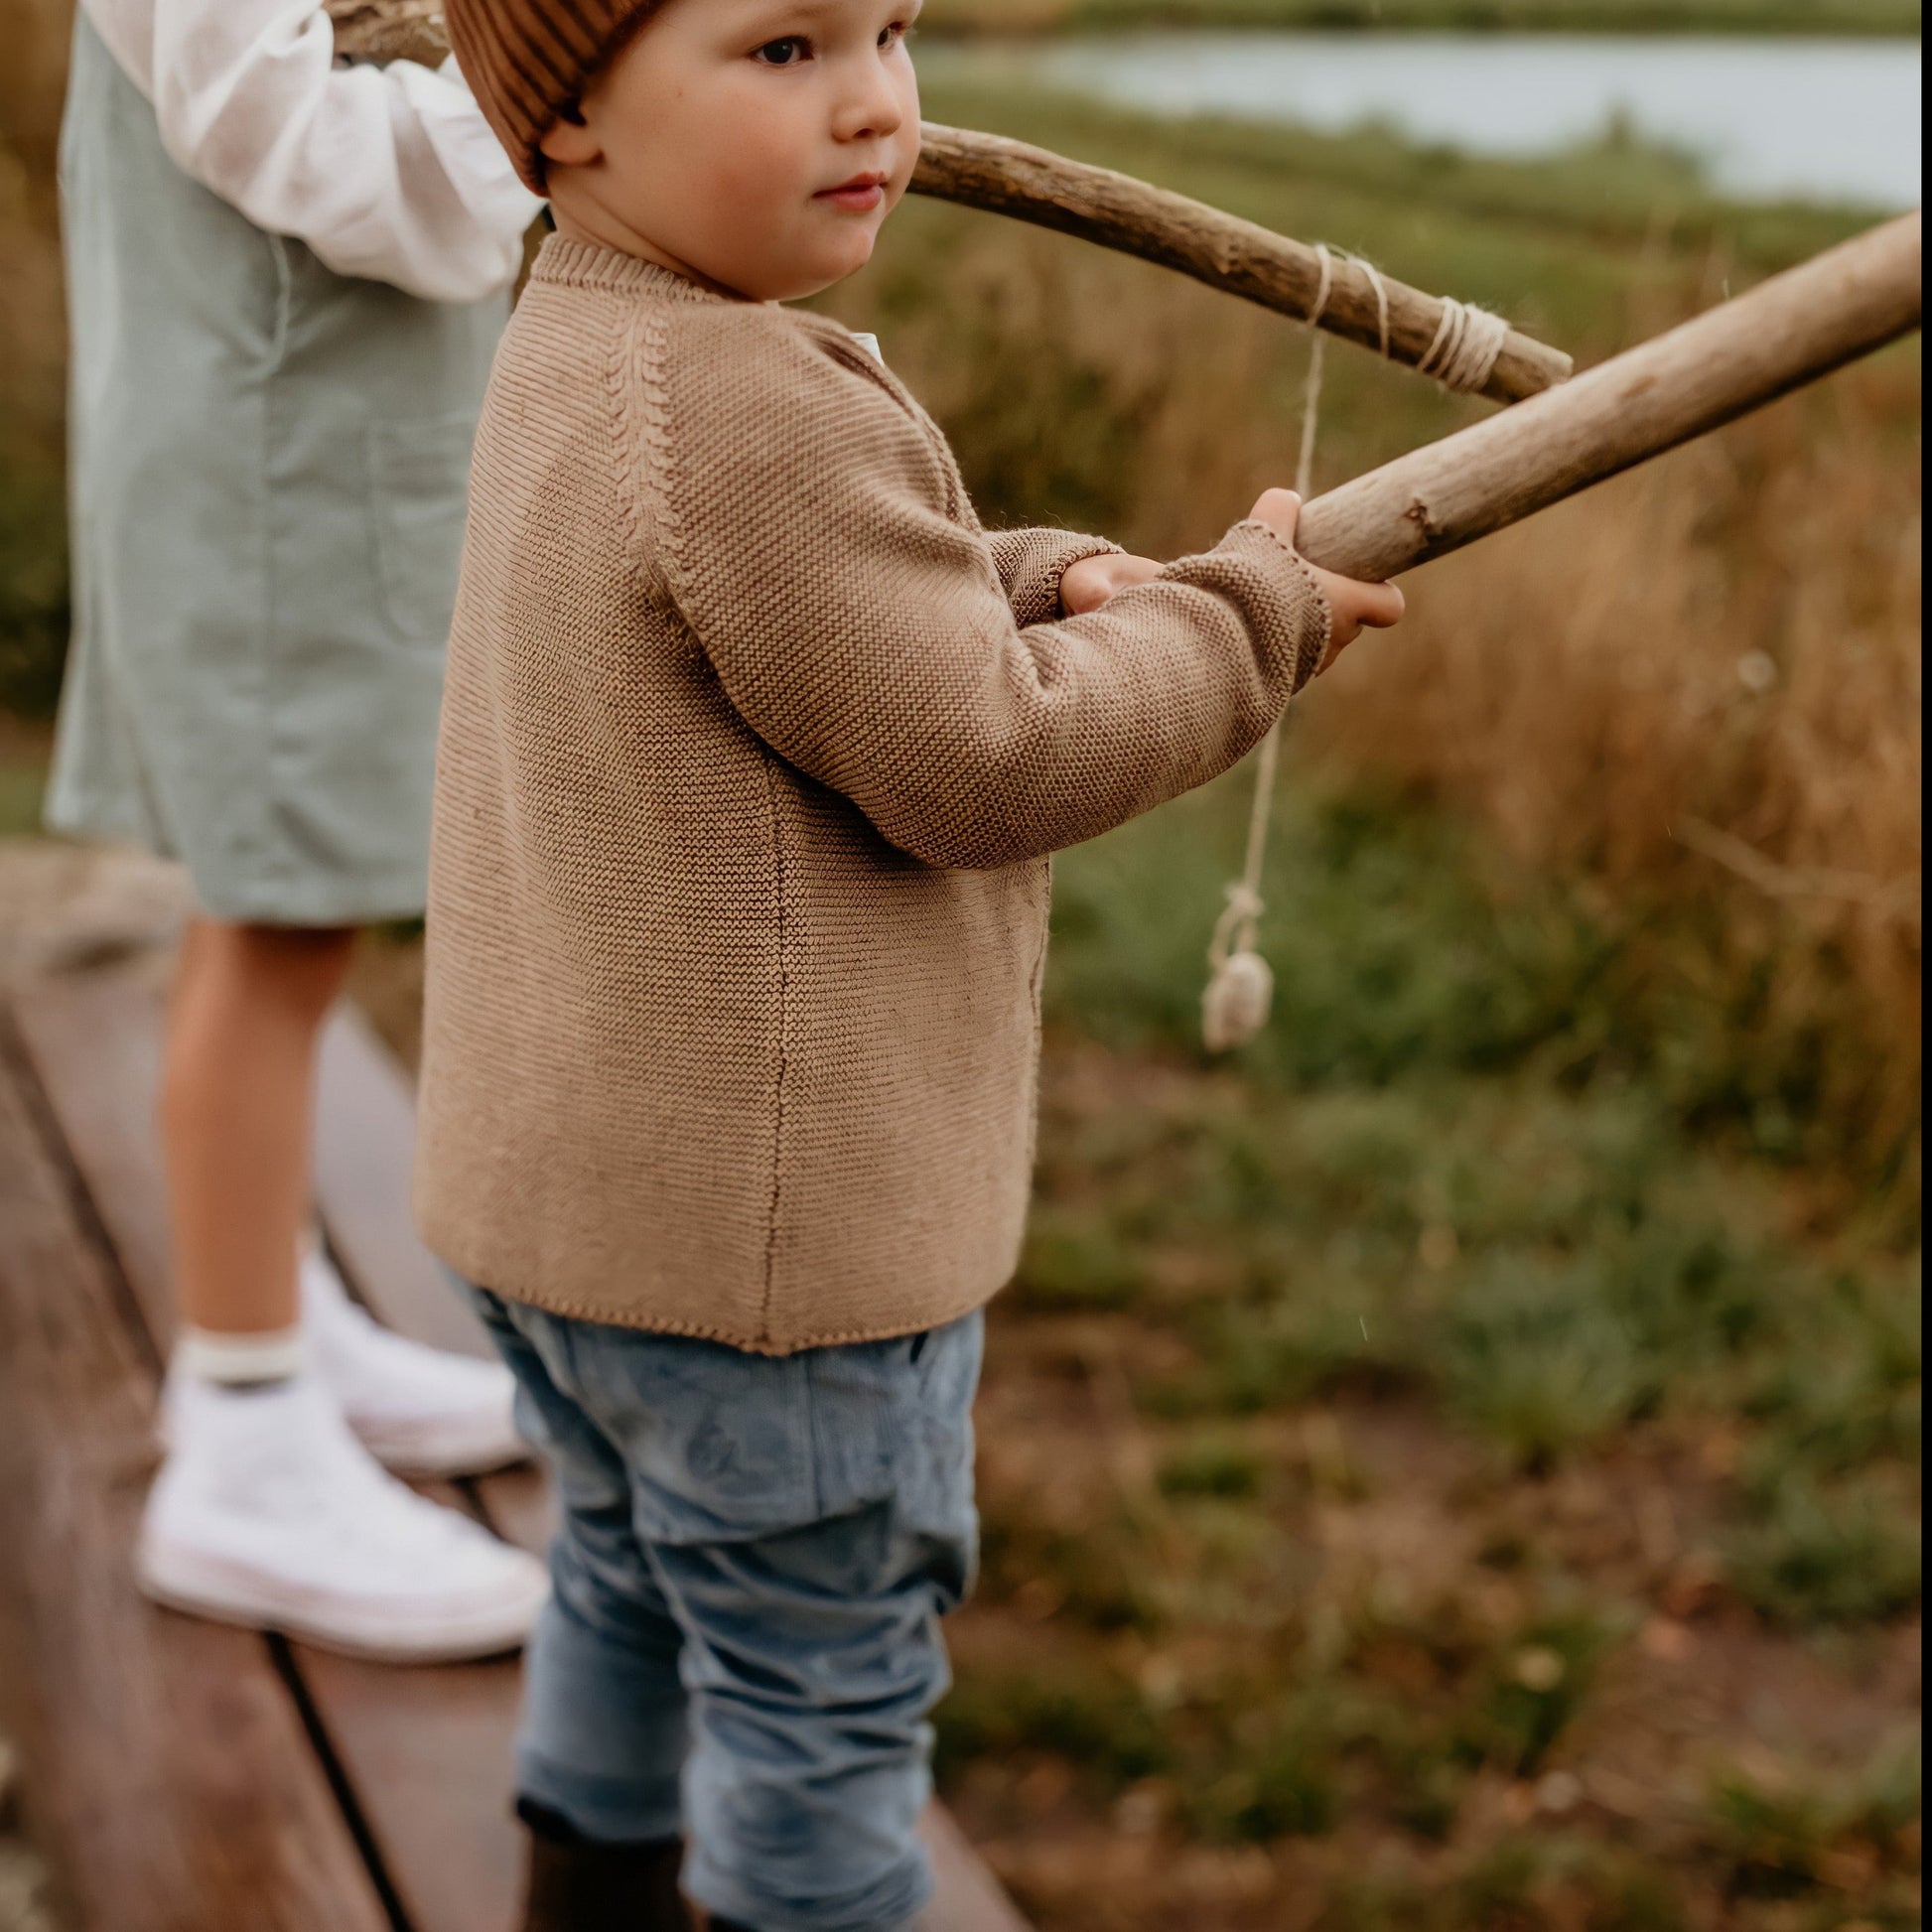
column 390, row 173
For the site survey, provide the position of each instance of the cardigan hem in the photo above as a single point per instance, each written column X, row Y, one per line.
column 575, row 1308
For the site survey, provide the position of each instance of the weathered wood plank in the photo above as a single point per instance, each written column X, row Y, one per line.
column 431, row 1750
column 94, row 1040
column 365, row 1129
column 426, row 1752
column 521, row 1507
column 168, row 1775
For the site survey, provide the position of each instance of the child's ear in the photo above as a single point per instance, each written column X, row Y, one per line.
column 569, row 141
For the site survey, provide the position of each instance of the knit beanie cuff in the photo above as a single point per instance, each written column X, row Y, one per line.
column 527, row 60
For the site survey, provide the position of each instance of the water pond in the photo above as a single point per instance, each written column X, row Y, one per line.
column 1828, row 120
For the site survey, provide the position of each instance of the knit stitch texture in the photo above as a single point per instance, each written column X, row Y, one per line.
column 754, row 748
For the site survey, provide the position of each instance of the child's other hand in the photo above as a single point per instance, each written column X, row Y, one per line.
column 1355, row 605
column 1088, row 583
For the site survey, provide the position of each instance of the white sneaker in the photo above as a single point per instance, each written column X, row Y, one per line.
column 421, row 1411
column 269, row 1513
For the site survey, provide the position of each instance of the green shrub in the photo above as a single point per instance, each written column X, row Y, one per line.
column 1213, row 1465
column 1843, row 1552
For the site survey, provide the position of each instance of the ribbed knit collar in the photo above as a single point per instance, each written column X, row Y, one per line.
column 591, row 266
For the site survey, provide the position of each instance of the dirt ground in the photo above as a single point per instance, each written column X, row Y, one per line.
column 70, row 906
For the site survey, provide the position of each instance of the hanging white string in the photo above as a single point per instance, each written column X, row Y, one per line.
column 1380, row 287
column 1241, row 985
column 1462, row 355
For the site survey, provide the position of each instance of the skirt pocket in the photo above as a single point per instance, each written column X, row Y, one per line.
column 419, row 492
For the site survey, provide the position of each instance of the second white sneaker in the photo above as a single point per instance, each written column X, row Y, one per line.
column 268, row 1512
column 421, row 1411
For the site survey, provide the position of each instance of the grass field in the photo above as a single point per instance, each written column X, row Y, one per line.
column 1453, row 1466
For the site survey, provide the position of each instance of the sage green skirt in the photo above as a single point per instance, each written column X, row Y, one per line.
column 268, row 477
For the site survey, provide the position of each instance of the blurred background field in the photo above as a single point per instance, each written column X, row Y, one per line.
column 1455, row 1464
column 1537, row 16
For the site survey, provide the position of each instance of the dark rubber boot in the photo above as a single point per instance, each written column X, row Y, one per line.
column 576, row 1885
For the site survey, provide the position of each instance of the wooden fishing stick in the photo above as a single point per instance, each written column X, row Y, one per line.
column 987, row 170
column 1787, row 331
column 1133, row 217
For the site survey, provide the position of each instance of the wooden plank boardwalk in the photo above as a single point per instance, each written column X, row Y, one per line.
column 182, row 1776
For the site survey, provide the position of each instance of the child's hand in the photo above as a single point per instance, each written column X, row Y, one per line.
column 1087, row 585
column 1355, row 605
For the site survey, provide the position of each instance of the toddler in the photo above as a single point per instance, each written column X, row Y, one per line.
column 755, row 746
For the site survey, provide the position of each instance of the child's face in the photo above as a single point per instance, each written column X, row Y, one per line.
column 759, row 143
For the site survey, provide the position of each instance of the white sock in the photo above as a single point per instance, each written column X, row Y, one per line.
column 239, row 1361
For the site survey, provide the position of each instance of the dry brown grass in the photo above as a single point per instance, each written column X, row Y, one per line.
column 1702, row 684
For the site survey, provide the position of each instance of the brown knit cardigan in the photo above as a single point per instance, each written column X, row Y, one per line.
column 753, row 749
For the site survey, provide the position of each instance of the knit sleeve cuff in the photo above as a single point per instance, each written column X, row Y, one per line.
column 1032, row 563
column 1290, row 616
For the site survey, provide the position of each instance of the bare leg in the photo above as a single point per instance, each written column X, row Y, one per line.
column 269, row 1508
column 238, row 1104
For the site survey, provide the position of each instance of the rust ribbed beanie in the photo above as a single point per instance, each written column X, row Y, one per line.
column 526, row 61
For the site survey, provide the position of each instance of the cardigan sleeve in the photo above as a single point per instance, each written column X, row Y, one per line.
column 390, row 173
column 809, row 525
column 1031, row 564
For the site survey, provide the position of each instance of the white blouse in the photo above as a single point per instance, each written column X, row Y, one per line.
column 390, row 173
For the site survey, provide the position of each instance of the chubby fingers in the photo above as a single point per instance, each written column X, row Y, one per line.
column 1281, row 510
column 1378, row 606
column 1353, row 607
column 1088, row 583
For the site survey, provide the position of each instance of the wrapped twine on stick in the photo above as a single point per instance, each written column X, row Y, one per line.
column 1240, row 989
